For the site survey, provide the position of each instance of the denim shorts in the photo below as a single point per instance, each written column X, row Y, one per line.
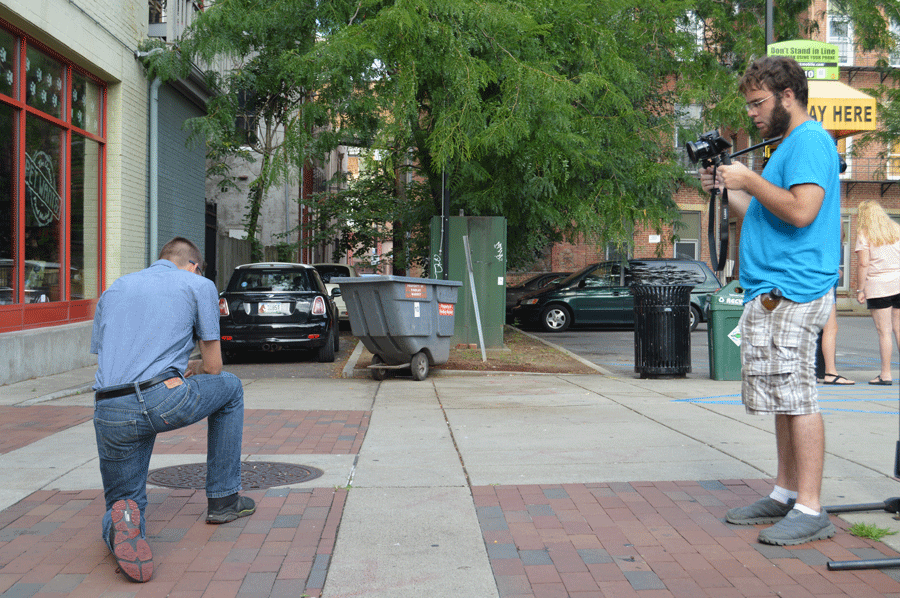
column 778, row 355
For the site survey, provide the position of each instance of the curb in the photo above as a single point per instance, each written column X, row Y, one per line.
column 59, row 394
column 579, row 359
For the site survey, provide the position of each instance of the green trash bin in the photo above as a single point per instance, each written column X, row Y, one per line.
column 725, row 309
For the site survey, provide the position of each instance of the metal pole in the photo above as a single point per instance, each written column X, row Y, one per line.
column 474, row 297
column 770, row 23
column 445, row 224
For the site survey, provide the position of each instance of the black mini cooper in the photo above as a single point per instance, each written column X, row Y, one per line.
column 273, row 306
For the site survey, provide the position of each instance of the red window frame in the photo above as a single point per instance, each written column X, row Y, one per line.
column 20, row 315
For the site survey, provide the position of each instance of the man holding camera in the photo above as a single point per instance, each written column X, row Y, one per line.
column 789, row 258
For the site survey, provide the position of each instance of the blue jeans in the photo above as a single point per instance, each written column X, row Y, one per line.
column 126, row 429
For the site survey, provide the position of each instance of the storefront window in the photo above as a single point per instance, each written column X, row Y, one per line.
column 44, row 83
column 43, row 210
column 86, row 102
column 51, row 185
column 8, row 53
column 8, row 279
column 83, row 249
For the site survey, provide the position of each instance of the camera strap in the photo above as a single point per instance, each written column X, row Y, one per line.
column 718, row 259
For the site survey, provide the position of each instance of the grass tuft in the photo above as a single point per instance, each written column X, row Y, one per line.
column 870, row 531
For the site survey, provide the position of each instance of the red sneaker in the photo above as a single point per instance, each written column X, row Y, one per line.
column 132, row 552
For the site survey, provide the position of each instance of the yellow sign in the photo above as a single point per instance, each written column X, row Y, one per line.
column 840, row 108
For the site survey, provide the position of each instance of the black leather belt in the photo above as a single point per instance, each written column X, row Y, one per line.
column 112, row 392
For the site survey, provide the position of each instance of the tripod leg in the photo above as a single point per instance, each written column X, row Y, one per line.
column 873, row 506
column 863, row 564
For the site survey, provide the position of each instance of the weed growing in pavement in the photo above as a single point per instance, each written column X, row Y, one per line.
column 870, row 531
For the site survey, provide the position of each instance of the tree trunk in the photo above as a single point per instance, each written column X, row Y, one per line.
column 256, row 196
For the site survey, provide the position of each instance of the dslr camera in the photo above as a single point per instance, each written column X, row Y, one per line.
column 710, row 149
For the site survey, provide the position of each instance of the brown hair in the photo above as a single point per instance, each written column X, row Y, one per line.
column 776, row 73
column 181, row 251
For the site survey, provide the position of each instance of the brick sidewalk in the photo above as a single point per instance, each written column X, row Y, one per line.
column 658, row 539
column 604, row 540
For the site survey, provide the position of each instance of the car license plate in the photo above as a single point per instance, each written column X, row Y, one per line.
column 274, row 309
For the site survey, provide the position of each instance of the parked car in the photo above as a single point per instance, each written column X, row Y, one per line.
column 600, row 294
column 273, row 306
column 516, row 292
column 329, row 271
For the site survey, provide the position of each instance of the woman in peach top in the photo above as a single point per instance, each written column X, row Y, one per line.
column 878, row 252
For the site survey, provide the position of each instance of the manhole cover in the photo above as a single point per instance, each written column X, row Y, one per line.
column 254, row 475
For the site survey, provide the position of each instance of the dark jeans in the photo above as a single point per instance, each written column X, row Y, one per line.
column 126, row 429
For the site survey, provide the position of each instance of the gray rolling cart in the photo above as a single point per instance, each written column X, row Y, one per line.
column 403, row 321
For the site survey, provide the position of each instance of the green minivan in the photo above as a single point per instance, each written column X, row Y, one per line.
column 600, row 294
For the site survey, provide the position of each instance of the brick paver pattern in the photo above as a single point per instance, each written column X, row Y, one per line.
column 602, row 540
column 658, row 539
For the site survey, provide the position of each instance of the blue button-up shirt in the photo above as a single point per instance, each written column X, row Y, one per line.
column 149, row 321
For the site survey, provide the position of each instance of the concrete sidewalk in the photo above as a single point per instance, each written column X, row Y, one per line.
column 461, row 485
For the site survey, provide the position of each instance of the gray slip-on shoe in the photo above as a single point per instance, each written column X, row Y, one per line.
column 765, row 510
column 798, row 528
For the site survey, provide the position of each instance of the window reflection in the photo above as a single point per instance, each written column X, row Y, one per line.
column 43, row 210
column 8, row 279
column 85, row 103
column 84, row 273
column 8, row 53
column 44, row 83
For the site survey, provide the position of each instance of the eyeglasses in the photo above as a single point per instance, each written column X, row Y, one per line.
column 199, row 269
column 750, row 106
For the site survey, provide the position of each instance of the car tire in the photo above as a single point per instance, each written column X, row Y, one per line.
column 337, row 338
column 378, row 373
column 555, row 318
column 326, row 351
column 418, row 365
column 695, row 318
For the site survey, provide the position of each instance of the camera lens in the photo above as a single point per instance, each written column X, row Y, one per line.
column 696, row 150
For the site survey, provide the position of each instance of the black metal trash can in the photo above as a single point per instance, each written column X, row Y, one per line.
column 662, row 330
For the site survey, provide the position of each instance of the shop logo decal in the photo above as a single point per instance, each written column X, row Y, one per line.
column 40, row 188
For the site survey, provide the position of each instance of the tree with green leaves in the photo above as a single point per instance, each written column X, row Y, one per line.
column 262, row 109
column 556, row 114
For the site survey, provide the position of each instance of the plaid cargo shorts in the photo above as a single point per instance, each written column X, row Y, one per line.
column 778, row 355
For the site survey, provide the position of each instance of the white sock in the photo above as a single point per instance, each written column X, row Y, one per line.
column 783, row 495
column 806, row 510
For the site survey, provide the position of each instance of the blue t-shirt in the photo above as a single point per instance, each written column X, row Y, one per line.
column 800, row 262
column 149, row 321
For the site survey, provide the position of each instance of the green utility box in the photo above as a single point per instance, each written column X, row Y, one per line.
column 487, row 245
column 725, row 309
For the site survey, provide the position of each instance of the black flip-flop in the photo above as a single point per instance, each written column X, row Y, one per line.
column 879, row 382
column 836, row 379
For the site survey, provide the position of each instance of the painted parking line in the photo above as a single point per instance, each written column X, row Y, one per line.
column 828, row 399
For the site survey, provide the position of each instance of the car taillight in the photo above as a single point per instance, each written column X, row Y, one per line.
column 318, row 308
column 223, row 307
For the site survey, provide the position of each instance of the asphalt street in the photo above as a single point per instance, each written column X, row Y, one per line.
column 613, row 349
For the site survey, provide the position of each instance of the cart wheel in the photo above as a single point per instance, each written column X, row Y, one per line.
column 419, row 366
column 378, row 373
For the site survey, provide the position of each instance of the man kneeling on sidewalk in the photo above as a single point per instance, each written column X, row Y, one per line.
column 145, row 329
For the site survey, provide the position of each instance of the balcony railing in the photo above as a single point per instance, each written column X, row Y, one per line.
column 859, row 170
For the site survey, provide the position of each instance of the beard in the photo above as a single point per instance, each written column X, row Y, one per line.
column 778, row 123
